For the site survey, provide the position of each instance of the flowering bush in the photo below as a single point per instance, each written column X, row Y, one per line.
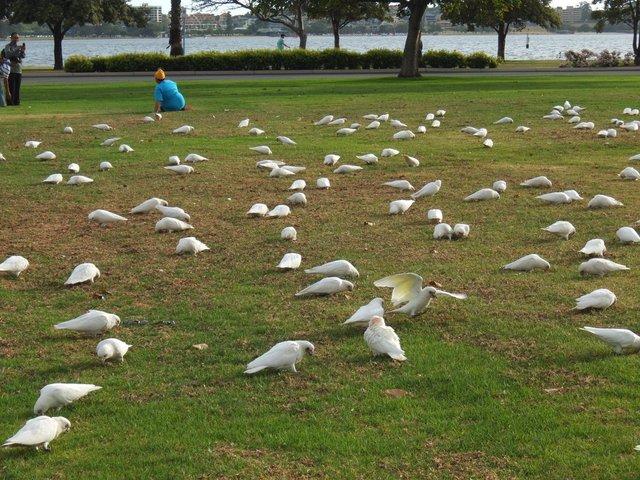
column 606, row 58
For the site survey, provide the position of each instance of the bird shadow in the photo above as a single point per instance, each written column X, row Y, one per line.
column 59, row 369
column 19, row 453
column 589, row 356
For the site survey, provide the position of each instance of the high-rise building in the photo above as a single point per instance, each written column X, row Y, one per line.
column 154, row 13
column 572, row 15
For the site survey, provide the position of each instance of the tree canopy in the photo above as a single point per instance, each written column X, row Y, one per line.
column 61, row 15
column 289, row 13
column 500, row 15
column 343, row 12
column 620, row 11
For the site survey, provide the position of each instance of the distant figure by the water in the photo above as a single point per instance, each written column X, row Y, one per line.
column 15, row 53
column 281, row 45
column 167, row 96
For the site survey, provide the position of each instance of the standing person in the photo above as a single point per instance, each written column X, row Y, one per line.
column 5, row 70
column 167, row 96
column 281, row 45
column 15, row 53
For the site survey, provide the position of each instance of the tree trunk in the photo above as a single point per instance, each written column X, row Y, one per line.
column 410, row 61
column 335, row 26
column 502, row 40
column 302, row 34
column 303, row 40
column 175, row 30
column 58, row 36
column 636, row 47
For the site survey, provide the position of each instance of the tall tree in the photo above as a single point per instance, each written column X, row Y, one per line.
column 175, row 29
column 343, row 12
column 290, row 13
column 500, row 15
column 61, row 15
column 414, row 9
column 620, row 12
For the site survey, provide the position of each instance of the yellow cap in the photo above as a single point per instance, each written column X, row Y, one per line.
column 159, row 75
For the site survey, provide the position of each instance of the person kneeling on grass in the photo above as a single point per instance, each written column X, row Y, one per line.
column 167, row 96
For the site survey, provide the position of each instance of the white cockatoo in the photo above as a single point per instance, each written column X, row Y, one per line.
column 58, row 395
column 190, row 245
column 105, row 217
column 600, row 266
column 409, row 295
column 94, row 322
column 14, row 265
column 594, row 248
column 168, row 224
column 622, row 341
column 399, row 207
column 282, row 356
column 383, row 340
column 537, row 182
column 39, row 432
column 289, row 233
column 561, row 228
column 482, row 194
column 83, row 273
column 366, row 312
column 598, row 299
column 528, row 263
column 336, row 268
column 290, row 261
column 173, row 212
column 326, row 286
column 112, row 350
column 428, row 190
column 149, row 205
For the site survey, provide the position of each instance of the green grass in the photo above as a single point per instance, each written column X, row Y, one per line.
column 479, row 372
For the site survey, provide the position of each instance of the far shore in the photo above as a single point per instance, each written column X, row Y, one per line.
column 488, row 34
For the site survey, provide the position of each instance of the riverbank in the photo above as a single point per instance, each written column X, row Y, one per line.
column 541, row 47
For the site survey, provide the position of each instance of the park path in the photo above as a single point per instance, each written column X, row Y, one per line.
column 42, row 77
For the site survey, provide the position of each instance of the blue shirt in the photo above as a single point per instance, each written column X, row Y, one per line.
column 169, row 96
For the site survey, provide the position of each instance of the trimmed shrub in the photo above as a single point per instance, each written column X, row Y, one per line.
column 382, row 58
column 481, row 60
column 79, row 63
column 244, row 60
column 444, row 59
column 332, row 59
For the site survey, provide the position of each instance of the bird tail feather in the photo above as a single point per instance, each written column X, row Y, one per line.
column 398, row 356
column 254, row 369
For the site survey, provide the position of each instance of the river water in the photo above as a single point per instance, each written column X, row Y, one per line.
column 541, row 47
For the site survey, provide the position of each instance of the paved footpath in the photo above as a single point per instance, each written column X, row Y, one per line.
column 44, row 77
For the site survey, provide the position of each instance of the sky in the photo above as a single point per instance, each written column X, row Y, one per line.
column 186, row 3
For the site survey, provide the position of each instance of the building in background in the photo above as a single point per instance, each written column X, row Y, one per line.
column 154, row 13
column 201, row 23
column 575, row 15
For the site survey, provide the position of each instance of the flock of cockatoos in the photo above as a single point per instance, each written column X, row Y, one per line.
column 409, row 294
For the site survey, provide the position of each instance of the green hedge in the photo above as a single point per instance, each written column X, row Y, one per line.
column 273, row 60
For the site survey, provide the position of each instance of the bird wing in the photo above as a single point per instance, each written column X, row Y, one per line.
column 90, row 321
column 36, row 431
column 324, row 286
column 70, row 392
column 442, row 293
column 281, row 354
column 616, row 337
column 405, row 286
column 597, row 298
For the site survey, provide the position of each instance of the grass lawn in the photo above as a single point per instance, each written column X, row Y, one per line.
column 502, row 385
